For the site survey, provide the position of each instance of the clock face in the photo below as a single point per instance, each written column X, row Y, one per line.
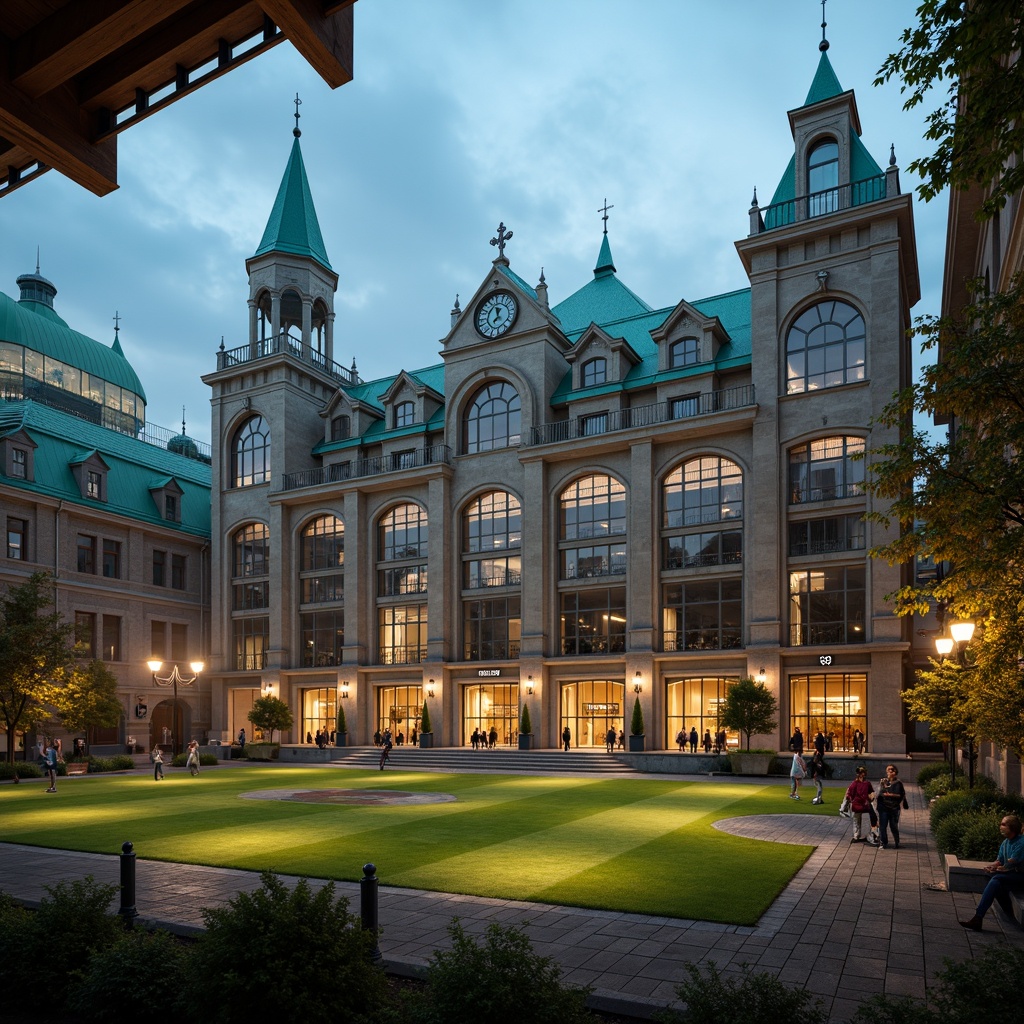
column 496, row 314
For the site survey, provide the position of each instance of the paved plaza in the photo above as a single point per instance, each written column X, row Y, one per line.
column 854, row 920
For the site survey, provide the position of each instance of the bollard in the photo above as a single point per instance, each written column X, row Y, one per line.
column 368, row 907
column 128, row 913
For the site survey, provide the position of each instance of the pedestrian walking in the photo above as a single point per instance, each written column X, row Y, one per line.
column 51, row 757
column 796, row 742
column 611, row 737
column 694, row 739
column 192, row 761
column 566, row 739
column 816, row 773
column 241, row 738
column 157, row 757
column 797, row 771
column 861, row 793
column 892, row 798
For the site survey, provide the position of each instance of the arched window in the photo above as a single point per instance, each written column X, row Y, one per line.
column 405, row 414
column 291, row 318
column 825, row 469
column 825, row 347
column 402, row 585
column 251, row 453
column 492, row 535
column 823, row 179
column 322, row 584
column 264, row 316
column 318, row 333
column 685, row 352
column 595, row 372
column 493, row 419
column 250, row 595
column 704, row 490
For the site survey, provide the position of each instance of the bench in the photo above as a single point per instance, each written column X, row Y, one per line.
column 971, row 876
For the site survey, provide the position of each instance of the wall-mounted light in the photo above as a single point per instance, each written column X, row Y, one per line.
column 268, row 687
column 529, row 685
column 761, row 675
column 638, row 686
column 344, row 691
column 430, row 688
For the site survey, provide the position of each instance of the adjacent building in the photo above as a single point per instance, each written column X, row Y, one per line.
column 587, row 500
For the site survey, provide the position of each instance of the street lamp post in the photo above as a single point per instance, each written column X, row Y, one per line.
column 960, row 634
column 173, row 680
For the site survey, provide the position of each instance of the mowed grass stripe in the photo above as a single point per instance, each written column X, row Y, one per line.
column 642, row 845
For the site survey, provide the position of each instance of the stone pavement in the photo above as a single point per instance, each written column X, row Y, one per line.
column 853, row 921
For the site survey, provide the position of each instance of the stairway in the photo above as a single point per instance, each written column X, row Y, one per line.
column 501, row 759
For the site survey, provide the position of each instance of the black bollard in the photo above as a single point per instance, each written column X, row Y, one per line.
column 128, row 913
column 368, row 907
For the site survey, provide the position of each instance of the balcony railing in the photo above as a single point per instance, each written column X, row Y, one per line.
column 510, row 578
column 641, row 416
column 826, row 633
column 437, row 454
column 818, row 204
column 702, row 639
column 496, row 650
column 702, row 558
column 285, row 343
column 593, row 645
column 401, row 655
column 802, row 495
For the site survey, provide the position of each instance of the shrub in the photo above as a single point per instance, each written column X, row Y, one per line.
column 712, row 999
column 425, row 719
column 636, row 723
column 981, row 838
column 944, row 783
column 23, row 769
column 300, row 952
column 14, row 923
column 525, row 725
column 341, row 726
column 137, row 969
column 204, row 759
column 932, row 770
column 499, row 979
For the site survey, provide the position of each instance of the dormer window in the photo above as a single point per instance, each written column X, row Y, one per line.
column 341, row 428
column 93, row 485
column 405, row 414
column 685, row 352
column 167, row 495
column 171, row 507
column 19, row 463
column 16, row 456
column 90, row 473
column 595, row 372
column 823, row 179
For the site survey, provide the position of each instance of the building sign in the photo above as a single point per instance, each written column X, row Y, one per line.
column 825, row 660
column 488, row 673
column 601, row 709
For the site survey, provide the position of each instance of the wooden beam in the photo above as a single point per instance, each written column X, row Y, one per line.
column 325, row 42
column 77, row 36
column 43, row 129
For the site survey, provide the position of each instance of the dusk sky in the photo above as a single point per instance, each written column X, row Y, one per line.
column 462, row 113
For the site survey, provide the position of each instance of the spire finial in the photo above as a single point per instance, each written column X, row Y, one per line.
column 298, row 103
column 892, row 154
column 542, row 281
column 502, row 237
column 604, row 211
column 753, row 202
column 183, row 421
column 116, row 318
column 37, row 261
column 456, row 308
column 823, row 45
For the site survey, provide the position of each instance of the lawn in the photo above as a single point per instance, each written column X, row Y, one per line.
column 639, row 845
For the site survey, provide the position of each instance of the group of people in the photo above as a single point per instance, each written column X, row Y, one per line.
column 611, row 738
column 481, row 739
column 394, row 741
column 156, row 755
column 717, row 744
column 49, row 755
column 322, row 739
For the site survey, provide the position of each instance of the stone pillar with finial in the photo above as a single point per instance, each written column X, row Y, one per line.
column 892, row 174
column 756, row 220
column 542, row 290
column 456, row 310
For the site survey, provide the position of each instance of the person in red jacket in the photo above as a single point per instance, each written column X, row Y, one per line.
column 860, row 793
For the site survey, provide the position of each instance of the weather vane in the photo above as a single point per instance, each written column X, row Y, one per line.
column 604, row 210
column 117, row 321
column 823, row 45
column 503, row 237
column 298, row 103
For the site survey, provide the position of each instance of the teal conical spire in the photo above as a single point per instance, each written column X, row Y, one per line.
column 605, row 265
column 825, row 84
column 292, row 226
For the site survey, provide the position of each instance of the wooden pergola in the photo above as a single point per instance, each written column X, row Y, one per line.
column 76, row 73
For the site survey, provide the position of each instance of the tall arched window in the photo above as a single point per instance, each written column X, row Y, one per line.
column 322, row 591
column 318, row 332
column 493, row 419
column 250, row 453
column 825, row 347
column 704, row 490
column 825, row 469
column 492, row 536
column 250, row 588
column 823, row 179
column 291, row 318
column 402, row 535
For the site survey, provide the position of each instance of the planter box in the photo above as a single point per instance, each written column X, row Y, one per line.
column 426, row 739
column 341, row 739
column 637, row 744
column 77, row 767
column 526, row 741
column 262, row 751
column 744, row 763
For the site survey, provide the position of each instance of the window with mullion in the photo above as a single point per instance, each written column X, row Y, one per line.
column 827, row 606
column 703, row 615
column 593, row 621
column 492, row 628
column 826, row 469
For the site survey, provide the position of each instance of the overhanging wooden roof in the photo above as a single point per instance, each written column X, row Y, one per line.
column 75, row 73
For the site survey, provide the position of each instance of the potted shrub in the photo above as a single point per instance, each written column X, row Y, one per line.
column 341, row 729
column 750, row 708
column 525, row 729
column 636, row 728
column 426, row 733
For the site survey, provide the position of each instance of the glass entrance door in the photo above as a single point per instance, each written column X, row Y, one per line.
column 590, row 708
column 491, row 706
column 399, row 709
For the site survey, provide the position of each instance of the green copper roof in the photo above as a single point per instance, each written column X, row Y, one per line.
column 37, row 326
column 293, row 227
column 604, row 259
column 825, row 84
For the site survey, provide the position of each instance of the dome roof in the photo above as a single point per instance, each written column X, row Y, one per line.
column 33, row 323
column 183, row 445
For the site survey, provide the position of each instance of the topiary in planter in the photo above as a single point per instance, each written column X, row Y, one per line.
column 425, row 719
column 636, row 723
column 525, row 725
column 341, row 726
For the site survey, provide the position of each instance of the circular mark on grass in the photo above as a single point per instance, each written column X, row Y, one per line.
column 359, row 797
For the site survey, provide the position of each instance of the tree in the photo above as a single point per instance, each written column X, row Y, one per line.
column 269, row 713
column 341, row 726
column 636, row 723
column 36, row 649
column 425, row 719
column 750, row 708
column 959, row 500
column 525, row 725
column 978, row 127
column 87, row 697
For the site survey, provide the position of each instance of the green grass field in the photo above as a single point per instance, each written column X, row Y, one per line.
column 639, row 845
